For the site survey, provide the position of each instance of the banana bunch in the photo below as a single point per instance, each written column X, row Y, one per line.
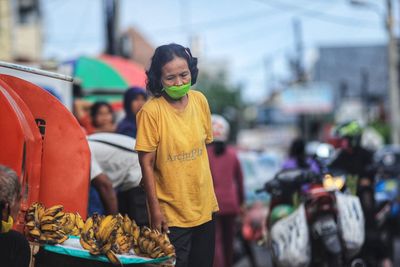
column 153, row 244
column 44, row 225
column 72, row 223
column 125, row 235
column 99, row 234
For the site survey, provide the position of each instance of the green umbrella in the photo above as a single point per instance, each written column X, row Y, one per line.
column 108, row 74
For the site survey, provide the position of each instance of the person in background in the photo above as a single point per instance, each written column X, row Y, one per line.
column 118, row 162
column 298, row 158
column 134, row 99
column 357, row 162
column 102, row 117
column 228, row 184
column 173, row 129
column 102, row 196
column 14, row 248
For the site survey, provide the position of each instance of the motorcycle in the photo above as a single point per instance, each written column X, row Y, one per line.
column 311, row 234
column 382, row 206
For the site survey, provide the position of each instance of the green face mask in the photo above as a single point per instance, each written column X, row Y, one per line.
column 177, row 92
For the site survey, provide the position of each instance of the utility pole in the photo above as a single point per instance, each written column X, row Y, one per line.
column 298, row 43
column 393, row 60
column 393, row 57
column 304, row 120
column 111, row 8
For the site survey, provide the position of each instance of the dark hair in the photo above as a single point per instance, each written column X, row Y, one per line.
column 162, row 55
column 94, row 110
column 297, row 151
column 10, row 187
column 131, row 94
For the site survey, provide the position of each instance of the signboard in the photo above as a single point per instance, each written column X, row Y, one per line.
column 312, row 98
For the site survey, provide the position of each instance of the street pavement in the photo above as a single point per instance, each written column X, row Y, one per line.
column 263, row 257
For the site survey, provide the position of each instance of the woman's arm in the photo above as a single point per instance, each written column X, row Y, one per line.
column 157, row 218
column 107, row 194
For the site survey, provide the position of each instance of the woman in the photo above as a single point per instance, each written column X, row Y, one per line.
column 102, row 117
column 173, row 130
column 228, row 182
column 298, row 158
column 133, row 201
column 134, row 99
column 14, row 248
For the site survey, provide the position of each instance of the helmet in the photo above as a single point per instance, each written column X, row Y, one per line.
column 351, row 130
column 348, row 129
column 220, row 127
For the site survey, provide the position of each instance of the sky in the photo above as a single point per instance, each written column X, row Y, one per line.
column 254, row 37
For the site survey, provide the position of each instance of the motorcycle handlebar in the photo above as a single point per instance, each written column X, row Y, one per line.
column 292, row 179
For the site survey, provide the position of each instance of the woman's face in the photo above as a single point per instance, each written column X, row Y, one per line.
column 176, row 72
column 104, row 116
column 137, row 103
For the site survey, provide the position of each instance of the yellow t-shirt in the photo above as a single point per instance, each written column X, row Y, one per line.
column 183, row 180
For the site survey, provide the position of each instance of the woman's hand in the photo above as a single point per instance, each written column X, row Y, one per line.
column 158, row 221
column 157, row 218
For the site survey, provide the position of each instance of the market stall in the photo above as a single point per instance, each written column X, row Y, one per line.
column 43, row 142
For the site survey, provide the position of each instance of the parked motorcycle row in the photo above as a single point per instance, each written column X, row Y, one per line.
column 332, row 218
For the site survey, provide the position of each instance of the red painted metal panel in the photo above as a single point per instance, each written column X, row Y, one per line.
column 21, row 146
column 66, row 156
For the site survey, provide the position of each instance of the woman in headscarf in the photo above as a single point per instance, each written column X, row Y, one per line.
column 134, row 99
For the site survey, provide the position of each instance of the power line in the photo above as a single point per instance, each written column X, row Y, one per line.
column 220, row 22
column 319, row 15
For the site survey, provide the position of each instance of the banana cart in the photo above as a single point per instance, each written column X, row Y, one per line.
column 43, row 142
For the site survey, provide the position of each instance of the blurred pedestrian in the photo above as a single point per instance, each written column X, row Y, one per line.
column 228, row 184
column 14, row 248
column 297, row 157
column 173, row 129
column 134, row 99
column 115, row 163
column 102, row 117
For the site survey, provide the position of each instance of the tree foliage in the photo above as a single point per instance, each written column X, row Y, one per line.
column 223, row 98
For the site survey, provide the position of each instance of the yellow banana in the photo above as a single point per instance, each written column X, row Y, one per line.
column 35, row 233
column 155, row 253
column 47, row 219
column 41, row 209
column 30, row 225
column 135, row 233
column 62, row 239
column 151, row 246
column 84, row 243
column 59, row 215
column 106, row 227
column 136, row 249
column 127, row 224
column 75, row 232
column 88, row 224
column 53, row 210
column 79, row 221
column 146, row 231
column 113, row 258
column 50, row 227
column 169, row 249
